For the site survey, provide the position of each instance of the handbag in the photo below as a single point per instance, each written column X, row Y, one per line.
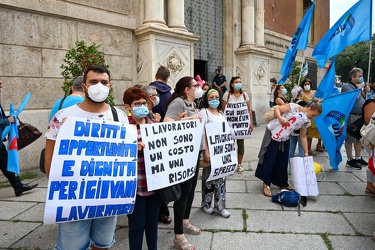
column 368, row 134
column 354, row 129
column 171, row 193
column 27, row 134
column 270, row 114
column 41, row 161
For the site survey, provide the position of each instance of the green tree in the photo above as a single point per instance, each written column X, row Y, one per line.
column 293, row 79
column 356, row 55
column 77, row 60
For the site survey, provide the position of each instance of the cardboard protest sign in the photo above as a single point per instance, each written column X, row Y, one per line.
column 238, row 118
column 93, row 171
column 171, row 151
column 303, row 176
column 223, row 153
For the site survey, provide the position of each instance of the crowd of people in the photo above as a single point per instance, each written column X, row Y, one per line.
column 191, row 99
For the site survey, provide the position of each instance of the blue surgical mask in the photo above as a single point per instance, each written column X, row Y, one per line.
column 238, row 86
column 361, row 81
column 214, row 103
column 284, row 91
column 140, row 112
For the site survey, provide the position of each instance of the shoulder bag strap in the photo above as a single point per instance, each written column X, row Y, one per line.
column 61, row 102
column 114, row 113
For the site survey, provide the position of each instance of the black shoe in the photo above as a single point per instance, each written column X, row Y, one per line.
column 361, row 161
column 352, row 163
column 24, row 188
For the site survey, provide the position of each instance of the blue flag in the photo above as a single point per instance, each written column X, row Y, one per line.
column 299, row 41
column 332, row 123
column 327, row 85
column 13, row 160
column 353, row 27
column 305, row 69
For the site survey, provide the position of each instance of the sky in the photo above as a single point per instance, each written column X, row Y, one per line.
column 339, row 7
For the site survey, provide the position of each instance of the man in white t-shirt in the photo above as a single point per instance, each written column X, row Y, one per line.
column 96, row 233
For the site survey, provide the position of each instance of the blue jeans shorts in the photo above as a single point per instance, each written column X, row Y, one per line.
column 80, row 235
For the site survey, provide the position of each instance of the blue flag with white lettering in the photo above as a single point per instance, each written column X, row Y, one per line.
column 333, row 121
column 299, row 41
column 353, row 27
column 327, row 85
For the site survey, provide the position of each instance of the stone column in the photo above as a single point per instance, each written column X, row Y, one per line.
column 259, row 23
column 154, row 12
column 247, row 22
column 176, row 15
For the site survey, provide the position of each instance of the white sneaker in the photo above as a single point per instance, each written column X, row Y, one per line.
column 208, row 210
column 224, row 213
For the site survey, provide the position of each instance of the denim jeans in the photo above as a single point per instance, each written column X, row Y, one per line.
column 81, row 234
column 293, row 144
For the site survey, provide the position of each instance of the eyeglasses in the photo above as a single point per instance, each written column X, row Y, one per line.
column 214, row 98
column 195, row 85
column 138, row 104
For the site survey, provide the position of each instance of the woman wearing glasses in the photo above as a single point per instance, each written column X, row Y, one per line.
column 213, row 189
column 181, row 106
column 146, row 209
column 237, row 95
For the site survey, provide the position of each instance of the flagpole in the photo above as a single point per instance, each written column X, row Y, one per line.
column 369, row 63
column 300, row 73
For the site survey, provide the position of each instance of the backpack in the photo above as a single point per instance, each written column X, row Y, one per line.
column 287, row 198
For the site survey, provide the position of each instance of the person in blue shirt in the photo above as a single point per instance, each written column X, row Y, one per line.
column 76, row 95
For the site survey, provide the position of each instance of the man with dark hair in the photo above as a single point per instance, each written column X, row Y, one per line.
column 97, row 233
column 219, row 82
column 14, row 180
column 356, row 81
column 163, row 89
column 273, row 84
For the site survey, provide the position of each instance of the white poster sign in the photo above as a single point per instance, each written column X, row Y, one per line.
column 282, row 132
column 303, row 176
column 238, row 118
column 171, row 151
column 223, row 154
column 93, row 171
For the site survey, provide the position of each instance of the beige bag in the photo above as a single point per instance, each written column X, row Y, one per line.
column 270, row 114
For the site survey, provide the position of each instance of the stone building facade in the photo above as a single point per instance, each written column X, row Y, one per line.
column 245, row 37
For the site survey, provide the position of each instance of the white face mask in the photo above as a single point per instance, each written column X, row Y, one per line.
column 306, row 87
column 198, row 93
column 157, row 100
column 98, row 92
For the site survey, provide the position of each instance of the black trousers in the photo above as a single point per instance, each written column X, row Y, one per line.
column 14, row 179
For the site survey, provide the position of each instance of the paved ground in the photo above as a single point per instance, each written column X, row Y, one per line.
column 342, row 217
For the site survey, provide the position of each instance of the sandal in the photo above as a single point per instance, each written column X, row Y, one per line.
column 240, row 169
column 369, row 190
column 165, row 219
column 267, row 190
column 183, row 244
column 287, row 188
column 191, row 229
